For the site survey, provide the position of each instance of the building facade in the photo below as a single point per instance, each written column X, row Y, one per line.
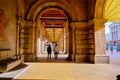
column 113, row 37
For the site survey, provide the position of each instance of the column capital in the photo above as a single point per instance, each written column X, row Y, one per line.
column 19, row 19
column 72, row 25
column 78, row 25
column 98, row 24
column 28, row 23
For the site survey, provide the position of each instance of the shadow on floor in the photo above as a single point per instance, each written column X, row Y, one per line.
column 21, row 66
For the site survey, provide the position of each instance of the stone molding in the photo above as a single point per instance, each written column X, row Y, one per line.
column 94, row 22
column 24, row 23
column 79, row 25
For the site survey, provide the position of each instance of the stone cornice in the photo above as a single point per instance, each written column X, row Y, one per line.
column 28, row 23
column 97, row 22
column 78, row 25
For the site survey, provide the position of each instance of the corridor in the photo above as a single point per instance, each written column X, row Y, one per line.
column 75, row 27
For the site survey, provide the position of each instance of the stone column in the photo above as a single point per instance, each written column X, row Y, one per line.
column 29, row 45
column 19, row 41
column 100, row 43
column 72, row 41
column 17, row 37
column 34, row 41
column 33, row 38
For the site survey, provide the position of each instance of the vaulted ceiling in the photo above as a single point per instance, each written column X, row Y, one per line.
column 55, row 13
column 53, row 18
column 54, row 21
column 112, row 10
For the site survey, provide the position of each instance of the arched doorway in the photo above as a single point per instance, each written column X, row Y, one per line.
column 34, row 15
column 78, row 28
column 52, row 28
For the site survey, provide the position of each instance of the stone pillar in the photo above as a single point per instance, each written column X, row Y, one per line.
column 72, row 41
column 17, row 37
column 100, row 43
column 33, row 38
column 19, row 49
column 34, row 41
column 79, row 41
column 29, row 41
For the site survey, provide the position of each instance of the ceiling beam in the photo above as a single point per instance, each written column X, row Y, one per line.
column 53, row 18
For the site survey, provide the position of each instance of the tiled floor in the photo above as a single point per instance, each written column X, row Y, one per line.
column 70, row 71
column 61, row 58
column 66, row 71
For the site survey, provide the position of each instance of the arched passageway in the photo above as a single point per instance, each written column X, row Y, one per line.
column 52, row 29
column 79, row 29
column 84, row 20
column 85, row 28
column 51, row 26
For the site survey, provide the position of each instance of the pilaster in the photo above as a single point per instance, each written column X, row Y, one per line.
column 73, row 41
column 79, row 34
column 27, row 40
column 19, row 20
column 100, row 43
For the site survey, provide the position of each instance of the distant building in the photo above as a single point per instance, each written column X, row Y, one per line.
column 108, row 37
column 113, row 37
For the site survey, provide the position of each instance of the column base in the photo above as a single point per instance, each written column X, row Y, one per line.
column 22, row 58
column 73, row 57
column 29, row 57
column 81, row 58
column 91, row 58
column 101, row 59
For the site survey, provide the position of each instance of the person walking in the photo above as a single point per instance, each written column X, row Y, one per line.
column 111, row 49
column 49, row 51
column 56, row 52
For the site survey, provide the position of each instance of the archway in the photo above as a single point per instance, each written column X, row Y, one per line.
column 112, row 15
column 77, row 24
column 105, row 11
column 52, row 28
column 36, row 10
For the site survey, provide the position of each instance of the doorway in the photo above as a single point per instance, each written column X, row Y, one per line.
column 52, row 29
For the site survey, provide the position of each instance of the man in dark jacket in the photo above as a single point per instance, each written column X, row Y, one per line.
column 49, row 52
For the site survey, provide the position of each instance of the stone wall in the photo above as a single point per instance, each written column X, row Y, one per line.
column 10, row 11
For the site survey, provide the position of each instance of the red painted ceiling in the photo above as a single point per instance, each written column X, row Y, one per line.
column 53, row 18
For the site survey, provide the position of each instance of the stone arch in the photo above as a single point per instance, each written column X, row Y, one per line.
column 35, row 9
column 112, row 10
column 52, row 7
column 55, row 8
column 109, row 10
column 99, row 9
column 61, row 5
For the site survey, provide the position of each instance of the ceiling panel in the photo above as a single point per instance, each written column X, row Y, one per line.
column 54, row 33
column 53, row 21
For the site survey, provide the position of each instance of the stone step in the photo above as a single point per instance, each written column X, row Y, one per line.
column 8, row 64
